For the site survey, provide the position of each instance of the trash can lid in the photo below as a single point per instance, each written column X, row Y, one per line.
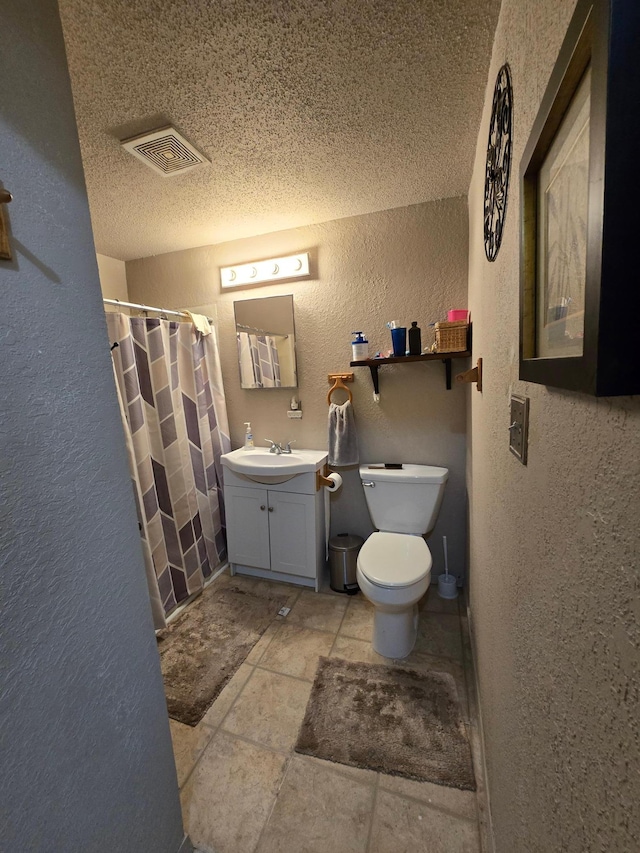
column 345, row 542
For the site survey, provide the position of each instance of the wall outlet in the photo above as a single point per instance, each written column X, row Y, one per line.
column 294, row 413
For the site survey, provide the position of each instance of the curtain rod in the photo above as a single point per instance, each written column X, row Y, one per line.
column 148, row 308
column 260, row 331
column 144, row 307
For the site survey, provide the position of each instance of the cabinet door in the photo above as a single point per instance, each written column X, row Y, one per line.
column 293, row 533
column 247, row 526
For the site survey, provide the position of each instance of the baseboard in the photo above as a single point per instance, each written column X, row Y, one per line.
column 186, row 846
column 183, row 605
column 486, row 830
column 219, row 571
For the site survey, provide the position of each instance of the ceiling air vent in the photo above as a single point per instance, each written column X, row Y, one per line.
column 165, row 151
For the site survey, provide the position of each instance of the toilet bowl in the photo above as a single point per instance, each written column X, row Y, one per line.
column 394, row 571
column 394, row 564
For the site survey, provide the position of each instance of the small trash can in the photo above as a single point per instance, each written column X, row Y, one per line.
column 343, row 557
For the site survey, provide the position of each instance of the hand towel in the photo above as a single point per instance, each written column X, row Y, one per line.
column 200, row 322
column 343, row 439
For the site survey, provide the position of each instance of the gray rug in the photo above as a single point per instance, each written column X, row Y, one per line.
column 204, row 648
column 388, row 719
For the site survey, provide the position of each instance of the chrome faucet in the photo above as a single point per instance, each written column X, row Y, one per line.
column 278, row 448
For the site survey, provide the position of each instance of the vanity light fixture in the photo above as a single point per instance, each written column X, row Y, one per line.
column 258, row 272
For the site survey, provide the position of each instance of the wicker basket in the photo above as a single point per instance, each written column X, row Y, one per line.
column 452, row 337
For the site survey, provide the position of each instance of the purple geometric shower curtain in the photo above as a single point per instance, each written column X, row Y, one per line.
column 171, row 386
column 259, row 361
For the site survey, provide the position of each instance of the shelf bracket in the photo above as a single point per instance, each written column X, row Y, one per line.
column 376, row 382
column 447, row 371
column 473, row 375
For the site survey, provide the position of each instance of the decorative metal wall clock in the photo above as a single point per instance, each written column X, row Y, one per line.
column 499, row 149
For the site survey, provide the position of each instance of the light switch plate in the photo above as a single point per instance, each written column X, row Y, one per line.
column 519, row 427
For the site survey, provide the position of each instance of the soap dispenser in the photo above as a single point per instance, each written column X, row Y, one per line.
column 359, row 347
column 248, row 437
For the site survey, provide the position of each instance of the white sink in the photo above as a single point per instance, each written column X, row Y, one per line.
column 261, row 466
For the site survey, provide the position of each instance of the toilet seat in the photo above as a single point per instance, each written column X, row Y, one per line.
column 394, row 560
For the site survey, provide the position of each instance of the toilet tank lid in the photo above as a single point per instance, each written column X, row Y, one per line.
column 406, row 474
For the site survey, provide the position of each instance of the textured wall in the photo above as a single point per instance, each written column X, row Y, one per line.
column 405, row 264
column 86, row 753
column 554, row 584
column 113, row 279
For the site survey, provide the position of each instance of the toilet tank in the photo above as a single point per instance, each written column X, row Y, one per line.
column 405, row 500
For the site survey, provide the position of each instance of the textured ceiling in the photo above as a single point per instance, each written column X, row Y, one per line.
column 309, row 110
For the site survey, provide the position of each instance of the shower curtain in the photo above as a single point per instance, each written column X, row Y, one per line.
column 174, row 415
column 259, row 361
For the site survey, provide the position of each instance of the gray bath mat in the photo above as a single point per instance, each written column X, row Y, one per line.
column 388, row 719
column 204, row 648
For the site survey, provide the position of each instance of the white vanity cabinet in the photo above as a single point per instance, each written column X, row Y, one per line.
column 276, row 530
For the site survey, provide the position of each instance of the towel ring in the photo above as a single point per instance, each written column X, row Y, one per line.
column 339, row 380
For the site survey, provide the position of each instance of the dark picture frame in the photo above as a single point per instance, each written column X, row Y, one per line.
column 602, row 42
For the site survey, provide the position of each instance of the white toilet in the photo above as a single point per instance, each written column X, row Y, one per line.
column 394, row 564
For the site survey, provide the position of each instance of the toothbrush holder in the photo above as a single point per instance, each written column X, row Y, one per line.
column 399, row 341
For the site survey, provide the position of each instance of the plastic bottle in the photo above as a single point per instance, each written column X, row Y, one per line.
column 248, row 437
column 415, row 341
column 359, row 347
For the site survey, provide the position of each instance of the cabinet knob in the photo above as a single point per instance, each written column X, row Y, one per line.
column 262, row 506
column 270, row 509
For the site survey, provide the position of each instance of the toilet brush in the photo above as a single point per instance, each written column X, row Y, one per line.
column 447, row 583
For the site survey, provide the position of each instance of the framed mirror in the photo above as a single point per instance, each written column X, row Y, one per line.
column 265, row 335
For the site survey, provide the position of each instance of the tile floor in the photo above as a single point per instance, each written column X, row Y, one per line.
column 243, row 789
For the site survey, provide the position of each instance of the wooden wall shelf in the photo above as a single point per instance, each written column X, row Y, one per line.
column 445, row 357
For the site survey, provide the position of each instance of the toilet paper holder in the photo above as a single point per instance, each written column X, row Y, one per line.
column 322, row 479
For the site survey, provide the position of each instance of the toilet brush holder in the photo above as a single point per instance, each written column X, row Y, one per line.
column 447, row 586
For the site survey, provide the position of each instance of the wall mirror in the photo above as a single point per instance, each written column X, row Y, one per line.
column 265, row 334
